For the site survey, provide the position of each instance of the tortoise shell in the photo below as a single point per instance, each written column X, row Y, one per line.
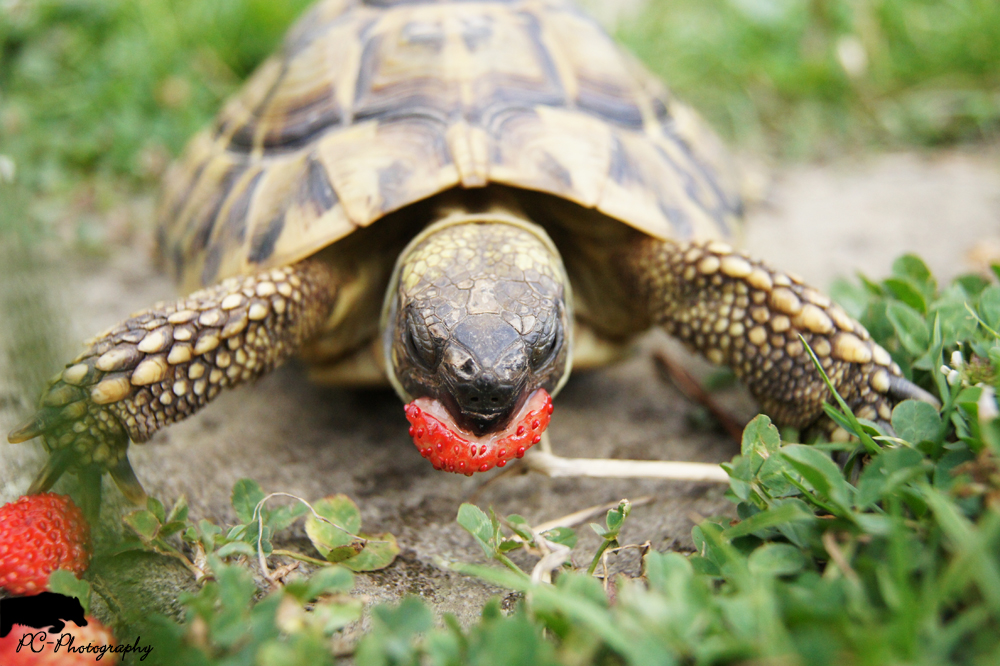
column 373, row 105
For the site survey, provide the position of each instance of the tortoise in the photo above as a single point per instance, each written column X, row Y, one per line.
column 465, row 199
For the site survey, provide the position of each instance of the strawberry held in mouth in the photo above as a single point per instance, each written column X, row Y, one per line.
column 454, row 449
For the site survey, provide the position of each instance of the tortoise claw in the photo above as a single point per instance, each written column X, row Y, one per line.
column 54, row 467
column 45, row 420
column 34, row 427
column 901, row 389
column 90, row 492
column 128, row 482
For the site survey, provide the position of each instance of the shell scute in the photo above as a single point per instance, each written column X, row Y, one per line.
column 374, row 105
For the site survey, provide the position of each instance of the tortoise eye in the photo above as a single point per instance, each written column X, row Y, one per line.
column 550, row 339
column 419, row 343
column 546, row 349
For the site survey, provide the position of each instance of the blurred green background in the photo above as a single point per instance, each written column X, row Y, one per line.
column 96, row 96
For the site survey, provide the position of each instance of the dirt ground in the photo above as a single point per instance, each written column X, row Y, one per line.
column 819, row 220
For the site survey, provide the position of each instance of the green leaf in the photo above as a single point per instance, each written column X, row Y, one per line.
column 477, row 523
column 944, row 472
column 329, row 580
column 739, row 477
column 957, row 323
column 155, row 507
column 710, row 543
column 908, row 293
column 255, row 534
column 841, row 419
column 341, row 553
column 886, row 473
column 704, row 566
column 910, row 327
column 972, row 284
column 776, row 559
column 237, row 548
column 876, row 319
column 780, row 515
column 295, row 650
column 913, row 268
column 411, row 616
column 246, row 496
column 341, row 527
column 338, row 613
column 874, row 288
column 820, row 472
column 989, row 306
column 801, row 533
column 173, row 527
column 520, row 526
column 508, row 545
column 240, row 531
column 508, row 578
column 852, row 297
column 144, row 523
column 760, row 440
column 179, row 511
column 205, row 531
column 758, row 462
column 616, row 518
column 379, row 552
column 916, row 421
column 283, row 516
column 561, row 535
column 978, row 560
column 67, row 584
column 873, row 523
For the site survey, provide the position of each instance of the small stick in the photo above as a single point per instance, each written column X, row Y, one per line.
column 583, row 515
column 685, row 382
column 556, row 466
column 837, row 555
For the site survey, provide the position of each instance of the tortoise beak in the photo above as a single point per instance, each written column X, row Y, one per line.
column 486, row 405
column 485, row 370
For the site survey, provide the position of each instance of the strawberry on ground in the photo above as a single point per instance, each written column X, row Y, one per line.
column 84, row 650
column 39, row 534
column 449, row 449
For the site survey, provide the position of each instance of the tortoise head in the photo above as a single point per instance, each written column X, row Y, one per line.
column 476, row 334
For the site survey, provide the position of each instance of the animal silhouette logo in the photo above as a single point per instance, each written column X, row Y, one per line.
column 47, row 609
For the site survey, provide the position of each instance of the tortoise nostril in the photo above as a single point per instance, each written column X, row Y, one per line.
column 494, row 399
column 476, row 398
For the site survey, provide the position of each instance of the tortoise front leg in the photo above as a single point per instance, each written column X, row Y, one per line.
column 163, row 364
column 739, row 312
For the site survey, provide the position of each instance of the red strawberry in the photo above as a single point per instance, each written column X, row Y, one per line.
column 39, row 534
column 449, row 448
column 82, row 646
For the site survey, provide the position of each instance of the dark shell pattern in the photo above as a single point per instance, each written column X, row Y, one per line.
column 373, row 105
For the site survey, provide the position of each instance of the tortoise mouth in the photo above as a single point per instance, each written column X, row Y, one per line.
column 452, row 448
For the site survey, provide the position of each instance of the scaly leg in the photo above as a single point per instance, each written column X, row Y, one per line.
column 741, row 313
column 738, row 312
column 163, row 364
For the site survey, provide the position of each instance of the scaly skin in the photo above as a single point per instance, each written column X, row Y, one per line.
column 163, row 364
column 741, row 313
